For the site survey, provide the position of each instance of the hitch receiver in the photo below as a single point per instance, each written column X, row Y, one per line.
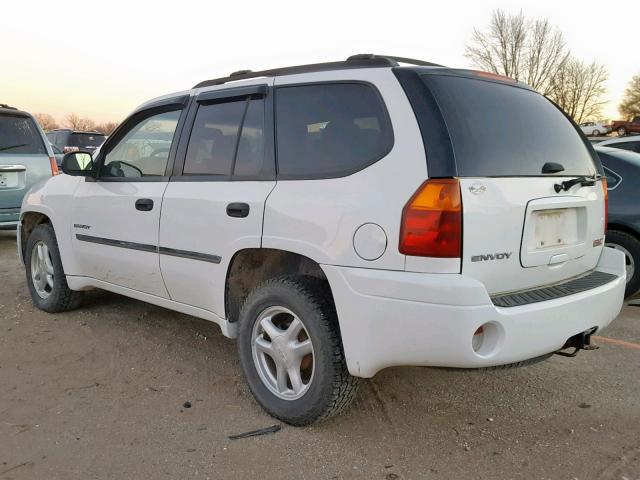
column 581, row 341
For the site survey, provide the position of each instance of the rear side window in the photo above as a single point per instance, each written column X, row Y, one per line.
column 20, row 135
column 227, row 138
column 499, row 130
column 330, row 130
column 631, row 146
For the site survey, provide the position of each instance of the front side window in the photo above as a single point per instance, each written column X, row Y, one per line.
column 144, row 150
column 330, row 130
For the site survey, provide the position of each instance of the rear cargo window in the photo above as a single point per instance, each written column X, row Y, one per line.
column 20, row 135
column 84, row 140
column 498, row 130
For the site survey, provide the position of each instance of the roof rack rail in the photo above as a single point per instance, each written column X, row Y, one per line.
column 362, row 60
column 4, row 105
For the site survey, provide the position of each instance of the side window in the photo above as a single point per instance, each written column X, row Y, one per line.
column 144, row 150
column 631, row 146
column 213, row 139
column 227, row 139
column 330, row 130
column 613, row 179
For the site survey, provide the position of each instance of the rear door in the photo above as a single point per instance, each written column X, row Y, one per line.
column 24, row 160
column 214, row 204
column 513, row 149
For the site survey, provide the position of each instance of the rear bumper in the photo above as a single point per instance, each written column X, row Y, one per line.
column 9, row 218
column 390, row 318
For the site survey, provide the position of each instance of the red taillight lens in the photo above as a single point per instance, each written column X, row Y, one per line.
column 54, row 166
column 432, row 220
column 605, row 192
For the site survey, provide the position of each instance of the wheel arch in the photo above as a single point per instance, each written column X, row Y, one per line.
column 250, row 267
column 28, row 221
column 620, row 227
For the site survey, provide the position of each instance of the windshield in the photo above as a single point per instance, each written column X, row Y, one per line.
column 500, row 130
column 20, row 135
column 86, row 140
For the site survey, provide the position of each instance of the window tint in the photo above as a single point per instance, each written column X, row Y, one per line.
column 20, row 135
column 84, row 140
column 501, row 130
column 251, row 147
column 213, row 139
column 631, row 146
column 144, row 150
column 329, row 130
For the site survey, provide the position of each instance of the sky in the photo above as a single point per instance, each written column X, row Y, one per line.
column 102, row 59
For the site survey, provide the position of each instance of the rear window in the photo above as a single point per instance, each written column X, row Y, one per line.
column 20, row 135
column 85, row 140
column 499, row 130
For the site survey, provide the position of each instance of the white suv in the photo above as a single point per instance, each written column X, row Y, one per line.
column 338, row 219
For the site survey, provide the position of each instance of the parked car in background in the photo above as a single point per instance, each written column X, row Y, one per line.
column 25, row 158
column 631, row 143
column 623, row 128
column 622, row 169
column 594, row 129
column 58, row 154
column 349, row 257
column 73, row 140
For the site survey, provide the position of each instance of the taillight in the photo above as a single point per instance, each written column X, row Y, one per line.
column 54, row 166
column 432, row 220
column 605, row 192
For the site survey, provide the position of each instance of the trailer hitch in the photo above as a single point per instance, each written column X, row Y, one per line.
column 581, row 341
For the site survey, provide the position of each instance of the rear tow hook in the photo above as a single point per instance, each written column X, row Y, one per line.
column 581, row 341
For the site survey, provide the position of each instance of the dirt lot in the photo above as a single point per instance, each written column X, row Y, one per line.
column 99, row 393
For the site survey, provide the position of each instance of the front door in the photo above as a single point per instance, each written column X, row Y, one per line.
column 116, row 216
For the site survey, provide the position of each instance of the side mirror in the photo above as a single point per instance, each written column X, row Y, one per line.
column 78, row 164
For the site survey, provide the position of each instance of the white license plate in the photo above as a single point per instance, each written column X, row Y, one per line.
column 555, row 228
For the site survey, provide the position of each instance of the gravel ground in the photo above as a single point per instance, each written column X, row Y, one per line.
column 99, row 393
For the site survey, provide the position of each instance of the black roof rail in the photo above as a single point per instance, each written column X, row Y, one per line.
column 4, row 105
column 362, row 60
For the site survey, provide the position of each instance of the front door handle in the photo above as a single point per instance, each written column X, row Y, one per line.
column 238, row 209
column 144, row 204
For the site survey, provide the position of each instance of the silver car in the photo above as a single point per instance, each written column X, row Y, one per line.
column 25, row 159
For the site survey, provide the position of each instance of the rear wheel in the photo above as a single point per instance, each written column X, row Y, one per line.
column 630, row 246
column 622, row 131
column 596, row 133
column 291, row 352
column 45, row 275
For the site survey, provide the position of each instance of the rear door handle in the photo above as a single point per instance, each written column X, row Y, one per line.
column 238, row 210
column 144, row 204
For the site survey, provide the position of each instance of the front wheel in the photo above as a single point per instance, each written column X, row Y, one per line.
column 630, row 246
column 45, row 275
column 291, row 352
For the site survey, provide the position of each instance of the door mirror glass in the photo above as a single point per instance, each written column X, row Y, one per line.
column 79, row 164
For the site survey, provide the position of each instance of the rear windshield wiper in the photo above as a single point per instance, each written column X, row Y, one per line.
column 583, row 180
column 13, row 146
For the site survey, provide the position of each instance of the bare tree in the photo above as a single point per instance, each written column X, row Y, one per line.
column 578, row 88
column 76, row 122
column 630, row 105
column 106, row 128
column 46, row 121
column 526, row 50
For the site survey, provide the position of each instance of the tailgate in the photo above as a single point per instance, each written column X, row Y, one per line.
column 519, row 233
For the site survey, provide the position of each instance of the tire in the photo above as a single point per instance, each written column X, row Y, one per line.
column 630, row 246
column 51, row 293
column 621, row 131
column 596, row 133
column 329, row 388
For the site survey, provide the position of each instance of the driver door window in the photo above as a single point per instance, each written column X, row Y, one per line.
column 144, row 150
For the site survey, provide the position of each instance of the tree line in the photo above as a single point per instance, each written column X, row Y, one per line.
column 75, row 122
column 535, row 52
